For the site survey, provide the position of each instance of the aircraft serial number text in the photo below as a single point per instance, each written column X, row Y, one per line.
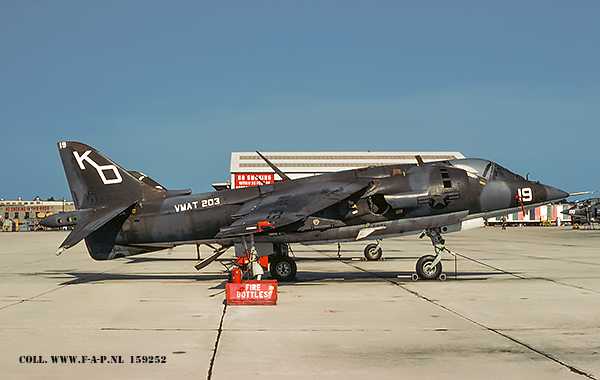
column 197, row 204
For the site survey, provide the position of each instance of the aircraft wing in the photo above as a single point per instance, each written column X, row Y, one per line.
column 290, row 205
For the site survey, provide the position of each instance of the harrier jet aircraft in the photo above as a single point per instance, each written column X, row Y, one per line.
column 122, row 213
column 586, row 211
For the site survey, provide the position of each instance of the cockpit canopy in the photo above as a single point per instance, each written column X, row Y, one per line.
column 475, row 166
column 485, row 169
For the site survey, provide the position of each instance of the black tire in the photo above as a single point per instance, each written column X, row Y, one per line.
column 283, row 268
column 424, row 269
column 371, row 254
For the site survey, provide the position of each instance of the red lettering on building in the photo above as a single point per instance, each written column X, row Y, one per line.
column 253, row 179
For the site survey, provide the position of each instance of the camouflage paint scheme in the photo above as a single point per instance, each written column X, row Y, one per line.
column 122, row 213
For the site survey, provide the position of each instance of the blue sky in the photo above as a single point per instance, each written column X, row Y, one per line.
column 171, row 88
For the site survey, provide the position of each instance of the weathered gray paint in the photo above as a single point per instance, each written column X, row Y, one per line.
column 324, row 208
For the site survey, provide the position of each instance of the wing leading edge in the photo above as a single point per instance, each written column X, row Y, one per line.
column 291, row 204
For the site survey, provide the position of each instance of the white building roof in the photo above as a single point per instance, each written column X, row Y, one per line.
column 307, row 163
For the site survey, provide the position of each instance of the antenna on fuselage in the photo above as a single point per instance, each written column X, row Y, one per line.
column 283, row 176
column 419, row 160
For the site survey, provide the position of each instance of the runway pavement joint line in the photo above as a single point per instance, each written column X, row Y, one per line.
column 488, row 266
column 524, row 278
column 151, row 329
column 32, row 298
column 60, row 286
column 527, row 346
column 214, row 355
column 497, row 332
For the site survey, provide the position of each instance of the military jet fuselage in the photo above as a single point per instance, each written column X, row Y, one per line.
column 585, row 212
column 121, row 213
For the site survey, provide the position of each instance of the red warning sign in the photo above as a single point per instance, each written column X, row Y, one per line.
column 247, row 180
column 262, row 292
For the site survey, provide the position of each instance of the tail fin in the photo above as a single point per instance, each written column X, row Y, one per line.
column 97, row 181
column 104, row 193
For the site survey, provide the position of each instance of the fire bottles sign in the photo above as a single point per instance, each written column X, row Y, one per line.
column 262, row 292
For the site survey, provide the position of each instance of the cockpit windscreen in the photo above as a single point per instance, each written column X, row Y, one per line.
column 476, row 166
column 485, row 169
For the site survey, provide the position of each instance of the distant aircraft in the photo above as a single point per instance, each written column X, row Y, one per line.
column 122, row 213
column 586, row 211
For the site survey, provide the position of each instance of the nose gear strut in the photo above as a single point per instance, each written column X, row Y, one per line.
column 430, row 267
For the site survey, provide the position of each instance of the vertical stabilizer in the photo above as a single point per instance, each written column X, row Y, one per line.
column 104, row 193
column 95, row 180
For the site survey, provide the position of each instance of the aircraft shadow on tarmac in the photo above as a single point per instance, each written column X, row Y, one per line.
column 389, row 276
column 134, row 260
column 303, row 278
column 149, row 259
column 72, row 278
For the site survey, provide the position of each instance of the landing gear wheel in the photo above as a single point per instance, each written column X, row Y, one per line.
column 425, row 270
column 371, row 253
column 283, row 268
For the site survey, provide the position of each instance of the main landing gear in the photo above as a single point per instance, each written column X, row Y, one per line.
column 430, row 267
column 255, row 262
column 282, row 266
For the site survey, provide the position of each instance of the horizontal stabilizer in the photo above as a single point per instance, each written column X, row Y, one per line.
column 176, row 193
column 90, row 220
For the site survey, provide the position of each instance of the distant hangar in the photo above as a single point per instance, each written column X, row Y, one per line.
column 248, row 169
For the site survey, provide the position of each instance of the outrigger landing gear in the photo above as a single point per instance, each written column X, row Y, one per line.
column 430, row 267
column 373, row 252
column 282, row 266
column 216, row 253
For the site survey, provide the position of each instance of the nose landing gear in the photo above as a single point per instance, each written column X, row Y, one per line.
column 430, row 267
column 427, row 268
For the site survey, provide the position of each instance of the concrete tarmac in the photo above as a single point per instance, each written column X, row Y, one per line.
column 525, row 304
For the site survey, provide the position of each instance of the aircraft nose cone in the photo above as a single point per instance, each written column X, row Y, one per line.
column 555, row 194
column 47, row 221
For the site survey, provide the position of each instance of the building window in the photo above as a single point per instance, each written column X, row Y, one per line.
column 6, row 215
column 26, row 215
column 16, row 215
